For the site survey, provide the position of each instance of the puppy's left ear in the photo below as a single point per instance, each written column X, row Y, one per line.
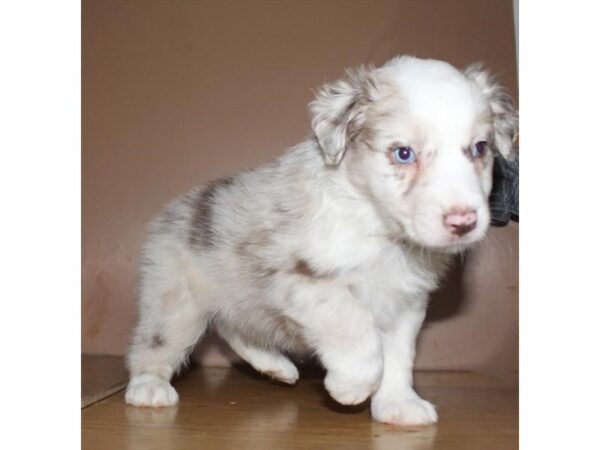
column 504, row 115
column 338, row 112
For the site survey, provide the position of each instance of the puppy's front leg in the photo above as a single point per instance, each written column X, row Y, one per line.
column 343, row 332
column 395, row 401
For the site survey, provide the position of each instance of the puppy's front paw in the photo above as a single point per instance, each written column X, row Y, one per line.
column 150, row 390
column 408, row 412
column 348, row 391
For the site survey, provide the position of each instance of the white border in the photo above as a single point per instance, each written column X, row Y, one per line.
column 560, row 225
column 40, row 238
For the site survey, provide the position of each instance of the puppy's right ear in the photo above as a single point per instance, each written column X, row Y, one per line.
column 338, row 112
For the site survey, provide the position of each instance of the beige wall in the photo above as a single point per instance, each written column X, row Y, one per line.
column 179, row 92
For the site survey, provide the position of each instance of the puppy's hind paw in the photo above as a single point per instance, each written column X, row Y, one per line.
column 150, row 390
column 284, row 371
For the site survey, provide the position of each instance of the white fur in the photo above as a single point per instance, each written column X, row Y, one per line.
column 331, row 249
column 150, row 390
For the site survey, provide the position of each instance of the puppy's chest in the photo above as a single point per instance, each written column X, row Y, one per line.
column 396, row 282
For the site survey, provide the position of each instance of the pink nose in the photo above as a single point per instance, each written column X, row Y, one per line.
column 460, row 221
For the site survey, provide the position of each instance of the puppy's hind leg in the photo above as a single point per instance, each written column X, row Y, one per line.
column 268, row 362
column 170, row 323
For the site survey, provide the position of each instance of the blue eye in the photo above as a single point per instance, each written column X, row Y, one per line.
column 404, row 155
column 478, row 150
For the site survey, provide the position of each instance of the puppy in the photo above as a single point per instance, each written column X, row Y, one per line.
column 335, row 246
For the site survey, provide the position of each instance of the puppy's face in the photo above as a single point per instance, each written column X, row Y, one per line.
column 418, row 142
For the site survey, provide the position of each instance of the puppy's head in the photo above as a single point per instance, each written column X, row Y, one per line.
column 417, row 138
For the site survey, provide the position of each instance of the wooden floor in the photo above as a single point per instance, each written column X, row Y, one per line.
column 101, row 376
column 238, row 409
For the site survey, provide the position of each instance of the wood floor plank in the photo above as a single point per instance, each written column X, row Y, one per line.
column 238, row 409
column 101, row 376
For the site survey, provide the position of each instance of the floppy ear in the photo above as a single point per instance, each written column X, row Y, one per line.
column 338, row 112
column 504, row 116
